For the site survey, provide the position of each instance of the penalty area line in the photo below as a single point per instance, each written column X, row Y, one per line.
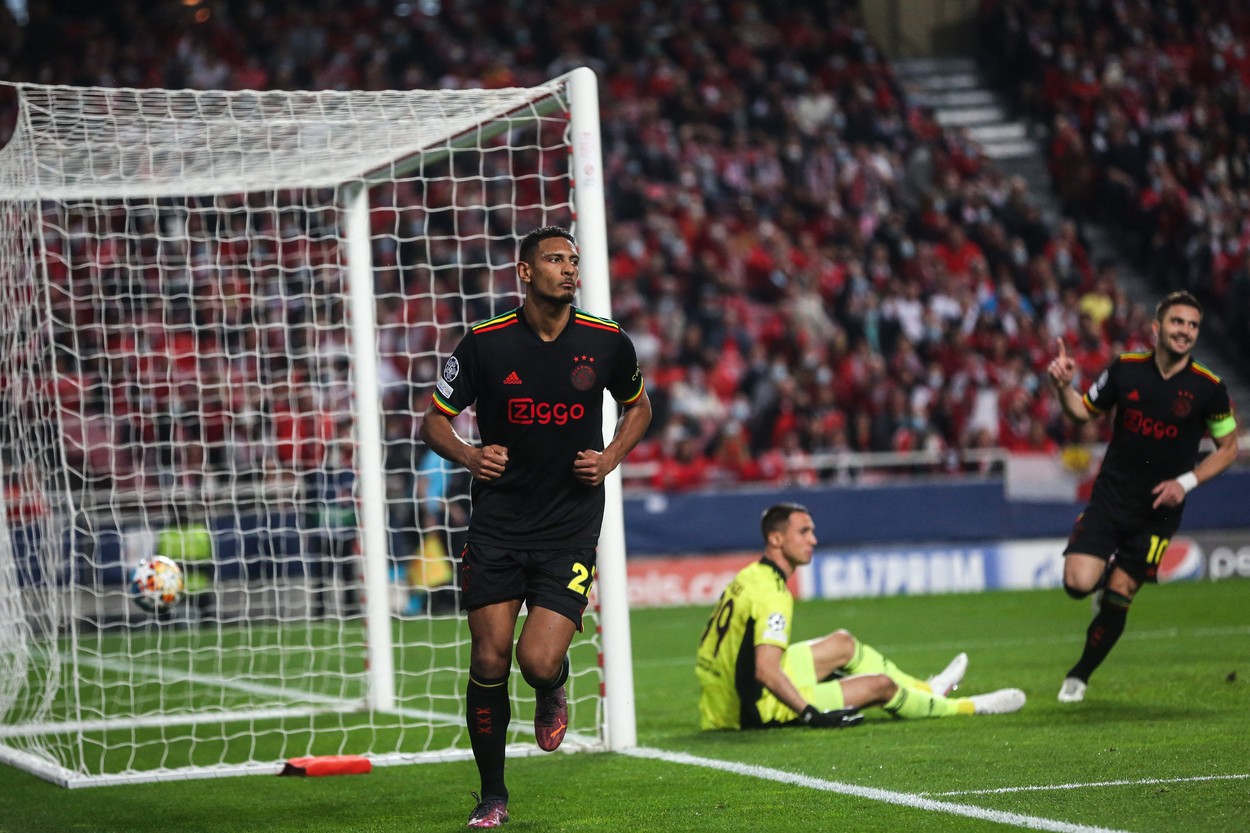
column 871, row 793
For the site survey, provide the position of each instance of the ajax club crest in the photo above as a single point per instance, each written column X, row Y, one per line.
column 583, row 375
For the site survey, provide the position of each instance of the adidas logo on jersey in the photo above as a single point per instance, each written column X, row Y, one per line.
column 512, row 379
column 1134, row 396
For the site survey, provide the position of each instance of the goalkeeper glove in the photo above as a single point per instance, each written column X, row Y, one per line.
column 837, row 719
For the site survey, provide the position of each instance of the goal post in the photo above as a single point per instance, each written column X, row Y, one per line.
column 593, row 248
column 369, row 462
column 222, row 314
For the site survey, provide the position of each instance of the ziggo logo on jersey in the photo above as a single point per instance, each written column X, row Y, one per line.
column 1138, row 423
column 527, row 412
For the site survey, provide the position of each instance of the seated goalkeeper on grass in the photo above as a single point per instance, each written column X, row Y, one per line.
column 752, row 677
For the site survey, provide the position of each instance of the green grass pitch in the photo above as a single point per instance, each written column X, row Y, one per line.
column 1162, row 743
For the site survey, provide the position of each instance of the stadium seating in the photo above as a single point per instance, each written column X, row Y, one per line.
column 808, row 262
column 1150, row 129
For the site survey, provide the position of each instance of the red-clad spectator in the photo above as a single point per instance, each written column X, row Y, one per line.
column 684, row 468
column 958, row 253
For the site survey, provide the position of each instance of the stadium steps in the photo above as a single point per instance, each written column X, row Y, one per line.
column 962, row 96
column 959, row 96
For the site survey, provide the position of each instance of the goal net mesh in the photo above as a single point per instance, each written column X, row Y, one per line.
column 178, row 377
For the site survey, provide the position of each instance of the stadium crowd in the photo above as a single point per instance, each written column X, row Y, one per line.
column 1148, row 108
column 807, row 262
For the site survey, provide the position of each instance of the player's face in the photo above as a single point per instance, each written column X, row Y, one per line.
column 1178, row 330
column 554, row 273
column 799, row 539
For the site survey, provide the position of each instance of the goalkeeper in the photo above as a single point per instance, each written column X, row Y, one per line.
column 752, row 677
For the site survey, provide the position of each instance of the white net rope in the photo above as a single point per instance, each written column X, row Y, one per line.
column 177, row 377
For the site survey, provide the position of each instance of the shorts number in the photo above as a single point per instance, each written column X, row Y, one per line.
column 1158, row 546
column 581, row 580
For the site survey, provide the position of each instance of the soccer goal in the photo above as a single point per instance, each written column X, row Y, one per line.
column 220, row 315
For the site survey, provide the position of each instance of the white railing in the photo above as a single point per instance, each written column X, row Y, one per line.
column 837, row 467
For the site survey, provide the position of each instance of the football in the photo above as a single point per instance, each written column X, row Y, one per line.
column 156, row 584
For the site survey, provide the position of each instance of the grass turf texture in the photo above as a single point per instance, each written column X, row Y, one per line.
column 1170, row 703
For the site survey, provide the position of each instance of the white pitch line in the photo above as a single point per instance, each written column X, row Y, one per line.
column 872, row 793
column 1123, row 783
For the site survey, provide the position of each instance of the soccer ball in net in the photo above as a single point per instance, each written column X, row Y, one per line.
column 156, row 584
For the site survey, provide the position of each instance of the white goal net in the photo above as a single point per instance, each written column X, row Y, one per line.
column 220, row 317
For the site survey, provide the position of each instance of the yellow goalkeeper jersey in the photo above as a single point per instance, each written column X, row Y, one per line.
column 755, row 609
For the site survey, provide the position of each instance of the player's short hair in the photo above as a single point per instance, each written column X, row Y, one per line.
column 529, row 243
column 777, row 516
column 1172, row 299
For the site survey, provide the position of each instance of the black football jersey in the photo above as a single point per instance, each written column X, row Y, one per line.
column 543, row 401
column 1158, row 425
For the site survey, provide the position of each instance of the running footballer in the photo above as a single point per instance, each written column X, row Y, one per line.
column 1163, row 401
column 537, row 375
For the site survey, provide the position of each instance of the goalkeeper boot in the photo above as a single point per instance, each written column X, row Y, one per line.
column 551, row 715
column 489, row 812
column 1003, row 701
column 1072, row 690
column 948, row 679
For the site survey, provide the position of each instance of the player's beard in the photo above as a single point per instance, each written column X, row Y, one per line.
column 1174, row 354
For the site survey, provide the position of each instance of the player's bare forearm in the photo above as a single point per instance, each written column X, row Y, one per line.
column 483, row 463
column 1061, row 371
column 1073, row 404
column 769, row 674
column 438, row 433
column 1173, row 492
column 630, row 429
column 1218, row 461
column 591, row 467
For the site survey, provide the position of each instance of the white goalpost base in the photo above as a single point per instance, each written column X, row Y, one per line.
column 220, row 317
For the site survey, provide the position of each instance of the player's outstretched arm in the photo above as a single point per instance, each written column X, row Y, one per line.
column 486, row 463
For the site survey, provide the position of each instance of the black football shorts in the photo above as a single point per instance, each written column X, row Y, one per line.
column 1138, row 548
column 558, row 580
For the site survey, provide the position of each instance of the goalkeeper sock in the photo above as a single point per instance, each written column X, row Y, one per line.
column 1102, row 634
column 489, row 712
column 912, row 703
column 868, row 660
